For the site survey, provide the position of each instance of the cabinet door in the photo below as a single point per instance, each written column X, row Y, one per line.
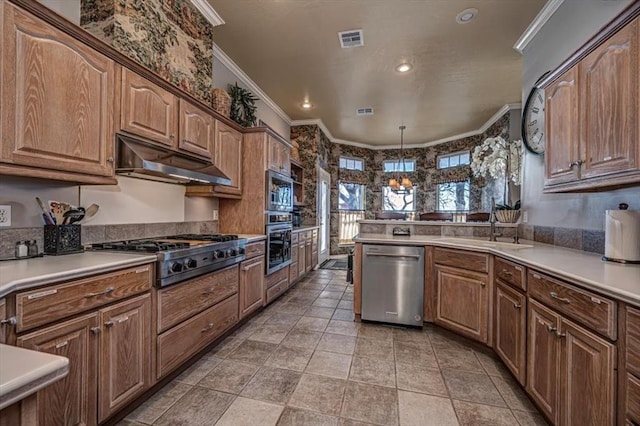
column 125, row 353
column 285, row 159
column 251, row 285
column 587, row 375
column 273, row 157
column 302, row 258
column 511, row 331
column 308, row 256
column 196, row 130
column 57, row 101
column 543, row 359
column 561, row 126
column 3, row 316
column 609, row 105
column 72, row 400
column 228, row 157
column 462, row 302
column 148, row 110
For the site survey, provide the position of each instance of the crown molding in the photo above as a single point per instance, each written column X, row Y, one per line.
column 538, row 22
column 209, row 13
column 244, row 78
column 495, row 117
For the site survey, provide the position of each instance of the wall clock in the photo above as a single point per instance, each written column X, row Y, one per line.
column 533, row 119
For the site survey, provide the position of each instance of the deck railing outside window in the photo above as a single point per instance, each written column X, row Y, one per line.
column 349, row 225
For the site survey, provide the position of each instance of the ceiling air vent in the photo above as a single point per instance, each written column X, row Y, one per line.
column 351, row 38
column 364, row 111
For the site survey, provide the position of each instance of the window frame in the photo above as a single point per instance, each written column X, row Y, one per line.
column 348, row 158
column 451, row 155
column 406, row 161
column 467, row 182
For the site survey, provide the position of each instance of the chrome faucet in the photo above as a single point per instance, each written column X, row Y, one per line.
column 492, row 220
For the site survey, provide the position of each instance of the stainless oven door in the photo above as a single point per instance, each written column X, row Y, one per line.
column 278, row 247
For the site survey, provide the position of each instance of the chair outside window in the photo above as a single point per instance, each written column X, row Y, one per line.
column 437, row 216
column 389, row 215
column 477, row 217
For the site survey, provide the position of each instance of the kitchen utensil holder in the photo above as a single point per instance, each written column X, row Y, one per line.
column 62, row 239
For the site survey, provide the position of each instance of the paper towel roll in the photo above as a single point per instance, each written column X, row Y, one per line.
column 622, row 235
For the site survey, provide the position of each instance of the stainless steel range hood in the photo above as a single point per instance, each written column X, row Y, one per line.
column 142, row 159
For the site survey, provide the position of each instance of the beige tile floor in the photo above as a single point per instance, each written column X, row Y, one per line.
column 303, row 361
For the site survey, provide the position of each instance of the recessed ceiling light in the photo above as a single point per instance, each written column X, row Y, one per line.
column 466, row 16
column 306, row 105
column 404, row 67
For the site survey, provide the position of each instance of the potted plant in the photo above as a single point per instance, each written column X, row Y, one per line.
column 507, row 213
column 243, row 107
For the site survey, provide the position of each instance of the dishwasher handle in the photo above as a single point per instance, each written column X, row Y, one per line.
column 412, row 256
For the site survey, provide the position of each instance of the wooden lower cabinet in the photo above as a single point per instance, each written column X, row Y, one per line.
column 462, row 301
column 3, row 317
column 251, row 288
column 73, row 399
column 511, row 329
column 125, row 354
column 571, row 371
column 308, row 258
column 302, row 259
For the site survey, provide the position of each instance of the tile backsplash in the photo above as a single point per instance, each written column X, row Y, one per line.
column 590, row 240
column 101, row 233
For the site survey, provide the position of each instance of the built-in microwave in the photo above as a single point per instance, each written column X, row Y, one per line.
column 279, row 191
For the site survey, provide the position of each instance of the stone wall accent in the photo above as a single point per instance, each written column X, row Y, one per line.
column 169, row 37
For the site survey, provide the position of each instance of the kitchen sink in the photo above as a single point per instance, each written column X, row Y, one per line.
column 485, row 243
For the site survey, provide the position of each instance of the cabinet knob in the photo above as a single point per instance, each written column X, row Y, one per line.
column 9, row 321
column 560, row 335
column 172, row 135
column 95, row 330
column 551, row 328
column 517, row 305
column 108, row 324
column 110, row 160
column 482, row 283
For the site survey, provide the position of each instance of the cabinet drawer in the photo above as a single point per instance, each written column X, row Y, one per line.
column 294, row 238
column 38, row 307
column 633, row 340
column 276, row 290
column 277, row 276
column 302, row 236
column 510, row 273
column 255, row 249
column 462, row 259
column 633, row 399
column 179, row 302
column 181, row 342
column 592, row 310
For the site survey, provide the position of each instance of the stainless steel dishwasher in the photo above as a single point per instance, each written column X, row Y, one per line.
column 393, row 284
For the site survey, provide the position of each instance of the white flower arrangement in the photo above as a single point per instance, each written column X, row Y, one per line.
column 491, row 158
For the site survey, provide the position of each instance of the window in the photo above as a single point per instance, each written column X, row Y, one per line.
column 390, row 166
column 349, row 163
column 351, row 206
column 453, row 196
column 398, row 202
column 453, row 160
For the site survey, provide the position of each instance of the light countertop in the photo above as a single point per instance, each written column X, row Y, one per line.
column 305, row 228
column 585, row 269
column 24, row 372
column 27, row 273
column 404, row 222
column 252, row 238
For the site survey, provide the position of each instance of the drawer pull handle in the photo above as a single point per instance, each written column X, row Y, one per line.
column 9, row 321
column 108, row 324
column 554, row 295
column 107, row 291
column 208, row 292
column 121, row 320
column 560, row 335
column 62, row 344
column 208, row 327
column 551, row 328
column 536, row 276
column 507, row 273
column 517, row 305
column 519, row 268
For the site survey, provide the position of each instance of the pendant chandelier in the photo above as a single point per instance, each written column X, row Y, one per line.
column 400, row 183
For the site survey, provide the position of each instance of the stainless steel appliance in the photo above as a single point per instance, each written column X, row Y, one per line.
column 181, row 257
column 278, row 232
column 393, row 284
column 297, row 218
column 279, row 192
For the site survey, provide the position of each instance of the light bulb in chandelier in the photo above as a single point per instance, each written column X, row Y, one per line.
column 406, row 182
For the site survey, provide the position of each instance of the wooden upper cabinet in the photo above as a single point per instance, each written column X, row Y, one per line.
column 609, row 105
column 148, row 110
column 196, row 130
column 561, row 115
column 228, row 157
column 57, row 101
column 285, row 159
column 125, row 354
column 71, row 400
column 278, row 158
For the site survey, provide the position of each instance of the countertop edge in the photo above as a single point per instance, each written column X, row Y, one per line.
column 305, row 228
column 252, row 238
column 401, row 222
column 48, row 279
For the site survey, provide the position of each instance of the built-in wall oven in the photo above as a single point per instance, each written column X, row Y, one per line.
column 279, row 190
column 278, row 230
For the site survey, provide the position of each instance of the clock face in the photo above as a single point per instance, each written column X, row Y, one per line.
column 533, row 122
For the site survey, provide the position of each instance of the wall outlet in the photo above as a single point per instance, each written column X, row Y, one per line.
column 5, row 215
column 525, row 216
column 215, row 215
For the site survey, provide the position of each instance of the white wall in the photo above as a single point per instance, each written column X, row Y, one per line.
column 69, row 9
column 572, row 24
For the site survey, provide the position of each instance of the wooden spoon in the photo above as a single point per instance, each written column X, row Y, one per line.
column 91, row 211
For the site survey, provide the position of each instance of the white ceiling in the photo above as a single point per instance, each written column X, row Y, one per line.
column 462, row 75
